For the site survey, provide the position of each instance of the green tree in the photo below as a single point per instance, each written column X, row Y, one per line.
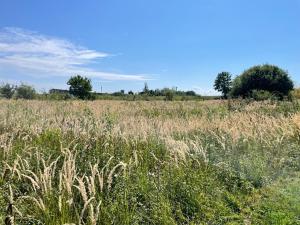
column 190, row 93
column 262, row 78
column 223, row 83
column 25, row 92
column 80, row 87
column 7, row 91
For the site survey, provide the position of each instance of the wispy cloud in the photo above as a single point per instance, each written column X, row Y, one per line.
column 34, row 53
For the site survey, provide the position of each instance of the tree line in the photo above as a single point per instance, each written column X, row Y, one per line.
column 14, row 91
column 258, row 82
column 81, row 88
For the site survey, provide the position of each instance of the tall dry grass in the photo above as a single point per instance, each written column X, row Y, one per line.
column 98, row 162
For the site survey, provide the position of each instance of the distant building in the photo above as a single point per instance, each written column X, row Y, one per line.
column 58, row 91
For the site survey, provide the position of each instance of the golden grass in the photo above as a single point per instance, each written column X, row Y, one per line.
column 135, row 119
column 129, row 121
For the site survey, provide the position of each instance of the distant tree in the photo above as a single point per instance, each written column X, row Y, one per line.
column 190, row 93
column 165, row 90
column 80, row 87
column 7, row 91
column 130, row 93
column 25, row 92
column 146, row 88
column 158, row 92
column 223, row 83
column 266, row 77
column 122, row 92
column 151, row 92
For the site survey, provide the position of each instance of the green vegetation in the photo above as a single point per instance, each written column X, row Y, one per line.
column 25, row 92
column 262, row 78
column 104, row 162
column 259, row 83
column 152, row 162
column 223, row 83
column 18, row 92
column 80, row 87
column 7, row 91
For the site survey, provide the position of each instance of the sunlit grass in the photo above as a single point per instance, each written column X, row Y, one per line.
column 117, row 162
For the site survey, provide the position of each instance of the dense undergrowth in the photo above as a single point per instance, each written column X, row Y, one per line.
column 149, row 162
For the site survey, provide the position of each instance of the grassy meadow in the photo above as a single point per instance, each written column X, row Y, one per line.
column 155, row 162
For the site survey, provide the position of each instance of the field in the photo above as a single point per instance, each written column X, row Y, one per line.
column 155, row 162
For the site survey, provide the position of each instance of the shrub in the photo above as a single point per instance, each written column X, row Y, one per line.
column 25, row 92
column 261, row 95
column 7, row 91
column 266, row 77
column 169, row 95
column 190, row 93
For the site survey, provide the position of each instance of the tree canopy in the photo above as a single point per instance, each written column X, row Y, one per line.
column 7, row 91
column 262, row 78
column 223, row 83
column 80, row 87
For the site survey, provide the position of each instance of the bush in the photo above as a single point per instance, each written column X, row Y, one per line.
column 190, row 93
column 7, row 91
column 25, row 92
column 266, row 77
column 261, row 95
column 169, row 95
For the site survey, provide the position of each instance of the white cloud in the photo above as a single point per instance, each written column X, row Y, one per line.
column 34, row 53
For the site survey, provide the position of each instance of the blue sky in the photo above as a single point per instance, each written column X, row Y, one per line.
column 120, row 44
